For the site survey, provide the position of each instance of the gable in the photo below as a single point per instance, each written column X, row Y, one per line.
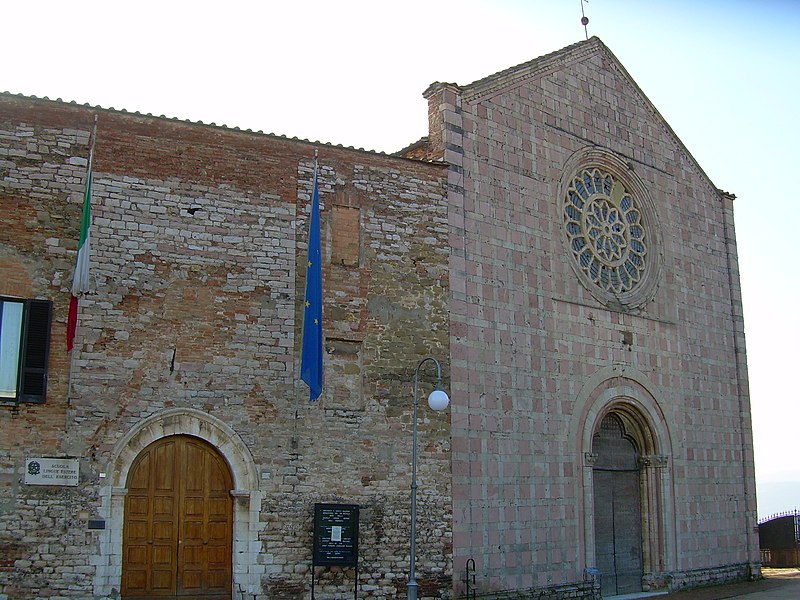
column 580, row 90
column 517, row 141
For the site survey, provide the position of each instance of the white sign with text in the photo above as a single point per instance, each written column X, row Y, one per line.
column 52, row 471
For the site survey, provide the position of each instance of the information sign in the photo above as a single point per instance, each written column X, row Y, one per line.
column 336, row 535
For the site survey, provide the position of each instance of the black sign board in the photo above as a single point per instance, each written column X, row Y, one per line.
column 336, row 535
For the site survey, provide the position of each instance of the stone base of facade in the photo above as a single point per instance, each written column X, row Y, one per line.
column 587, row 590
column 713, row 576
column 672, row 582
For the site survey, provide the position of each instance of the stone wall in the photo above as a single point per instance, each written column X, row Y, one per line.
column 197, row 236
column 712, row 576
column 538, row 356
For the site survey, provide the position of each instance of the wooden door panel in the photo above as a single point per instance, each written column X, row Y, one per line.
column 163, row 506
column 163, row 476
column 139, row 477
column 163, row 581
column 192, row 583
column 193, row 505
column 191, row 565
column 137, row 505
column 217, row 579
column 218, row 528
column 194, row 469
column 137, row 579
column 219, row 477
column 216, row 555
column 218, row 507
column 137, row 531
column 217, row 531
column 137, row 555
column 178, row 523
column 162, row 531
column 192, row 529
column 206, row 516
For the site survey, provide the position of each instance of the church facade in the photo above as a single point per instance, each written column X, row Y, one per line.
column 551, row 243
column 597, row 335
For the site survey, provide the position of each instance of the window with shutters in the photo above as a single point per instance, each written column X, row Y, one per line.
column 24, row 346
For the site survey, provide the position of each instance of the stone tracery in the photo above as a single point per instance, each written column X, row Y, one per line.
column 605, row 231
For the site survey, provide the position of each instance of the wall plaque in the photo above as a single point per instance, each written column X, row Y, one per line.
column 52, row 471
column 336, row 535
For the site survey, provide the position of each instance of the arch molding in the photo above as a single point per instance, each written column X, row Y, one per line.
column 246, row 494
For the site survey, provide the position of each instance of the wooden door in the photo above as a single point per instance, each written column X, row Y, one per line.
column 177, row 535
column 617, row 510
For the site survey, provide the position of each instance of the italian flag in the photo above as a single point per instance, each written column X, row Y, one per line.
column 80, row 277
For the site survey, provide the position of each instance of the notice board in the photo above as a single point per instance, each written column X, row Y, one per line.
column 336, row 535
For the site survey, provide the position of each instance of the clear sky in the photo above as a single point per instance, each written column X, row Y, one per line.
column 725, row 74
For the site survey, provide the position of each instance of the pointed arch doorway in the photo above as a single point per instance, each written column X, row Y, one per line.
column 178, row 526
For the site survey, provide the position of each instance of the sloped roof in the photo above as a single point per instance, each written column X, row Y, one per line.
column 398, row 154
column 514, row 75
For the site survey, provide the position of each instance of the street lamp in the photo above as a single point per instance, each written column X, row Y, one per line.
column 438, row 401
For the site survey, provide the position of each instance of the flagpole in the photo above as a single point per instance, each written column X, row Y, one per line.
column 87, row 190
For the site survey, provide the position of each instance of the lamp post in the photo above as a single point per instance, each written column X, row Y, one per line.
column 438, row 401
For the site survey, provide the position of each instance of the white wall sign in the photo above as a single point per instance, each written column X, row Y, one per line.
column 52, row 471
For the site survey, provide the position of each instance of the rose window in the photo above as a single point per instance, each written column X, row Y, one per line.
column 605, row 231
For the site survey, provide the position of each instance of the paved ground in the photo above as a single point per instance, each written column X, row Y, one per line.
column 778, row 584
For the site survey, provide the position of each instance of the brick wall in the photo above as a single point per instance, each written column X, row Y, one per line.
column 196, row 240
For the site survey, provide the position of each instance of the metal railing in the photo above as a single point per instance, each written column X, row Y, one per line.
column 469, row 580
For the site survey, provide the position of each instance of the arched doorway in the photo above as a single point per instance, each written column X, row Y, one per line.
column 178, row 527
column 631, row 400
column 617, row 508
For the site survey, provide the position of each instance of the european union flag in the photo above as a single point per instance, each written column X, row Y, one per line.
column 311, row 361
